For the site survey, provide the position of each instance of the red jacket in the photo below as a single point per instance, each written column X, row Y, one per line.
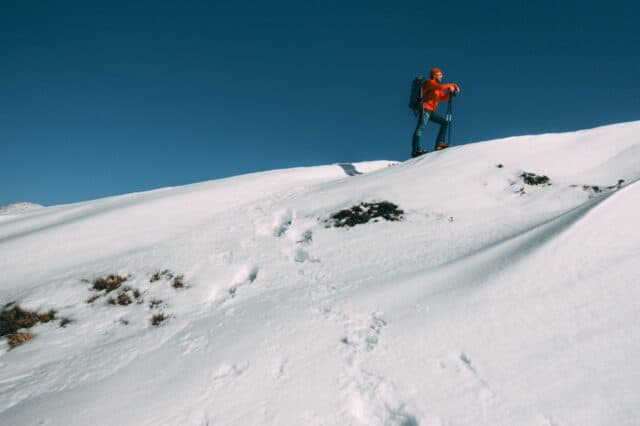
column 434, row 92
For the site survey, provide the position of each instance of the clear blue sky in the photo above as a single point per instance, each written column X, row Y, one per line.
column 101, row 98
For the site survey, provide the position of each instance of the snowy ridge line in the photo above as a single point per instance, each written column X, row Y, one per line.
column 20, row 208
column 68, row 214
column 68, row 218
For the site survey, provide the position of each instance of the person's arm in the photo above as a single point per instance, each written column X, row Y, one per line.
column 441, row 91
column 451, row 87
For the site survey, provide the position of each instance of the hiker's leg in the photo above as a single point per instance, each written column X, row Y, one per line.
column 417, row 134
column 444, row 125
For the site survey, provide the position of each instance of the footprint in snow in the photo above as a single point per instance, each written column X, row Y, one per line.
column 371, row 399
column 483, row 391
column 244, row 276
column 304, row 238
column 364, row 337
column 300, row 240
column 226, row 373
column 276, row 224
column 300, row 255
column 283, row 221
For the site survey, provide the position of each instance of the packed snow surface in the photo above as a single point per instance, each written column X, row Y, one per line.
column 492, row 302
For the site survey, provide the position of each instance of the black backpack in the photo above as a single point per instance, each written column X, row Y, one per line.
column 415, row 99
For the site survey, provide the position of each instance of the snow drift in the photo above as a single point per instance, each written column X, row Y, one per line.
column 496, row 299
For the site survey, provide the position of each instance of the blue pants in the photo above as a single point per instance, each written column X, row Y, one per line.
column 422, row 123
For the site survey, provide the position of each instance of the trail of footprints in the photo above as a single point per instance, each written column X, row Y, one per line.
column 367, row 397
column 278, row 226
column 282, row 227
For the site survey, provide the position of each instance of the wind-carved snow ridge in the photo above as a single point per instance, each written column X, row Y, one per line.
column 501, row 298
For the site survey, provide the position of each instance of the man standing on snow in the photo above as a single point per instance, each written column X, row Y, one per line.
column 432, row 92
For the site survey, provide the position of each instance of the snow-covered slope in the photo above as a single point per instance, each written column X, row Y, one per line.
column 18, row 208
column 493, row 302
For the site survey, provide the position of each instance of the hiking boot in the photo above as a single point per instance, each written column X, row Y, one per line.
column 418, row 152
column 441, row 145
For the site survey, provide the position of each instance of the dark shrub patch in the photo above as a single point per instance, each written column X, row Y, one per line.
column 93, row 298
column 124, row 297
column 158, row 319
column 109, row 283
column 366, row 212
column 158, row 275
column 14, row 318
column 138, row 296
column 594, row 188
column 178, row 282
column 47, row 316
column 618, row 185
column 155, row 303
column 534, row 179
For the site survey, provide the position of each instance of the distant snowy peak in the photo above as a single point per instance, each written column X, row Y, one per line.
column 16, row 208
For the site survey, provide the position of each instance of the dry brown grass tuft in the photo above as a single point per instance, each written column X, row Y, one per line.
column 19, row 338
column 125, row 295
column 155, row 303
column 158, row 275
column 158, row 319
column 109, row 283
column 14, row 321
column 178, row 282
column 15, row 318
column 534, row 179
column 93, row 298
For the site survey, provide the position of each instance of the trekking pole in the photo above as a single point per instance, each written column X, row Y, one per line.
column 450, row 117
